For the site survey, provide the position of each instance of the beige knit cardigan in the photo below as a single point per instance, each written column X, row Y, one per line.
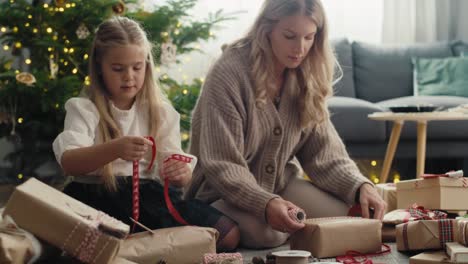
column 247, row 155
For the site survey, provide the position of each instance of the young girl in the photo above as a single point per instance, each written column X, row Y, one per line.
column 105, row 132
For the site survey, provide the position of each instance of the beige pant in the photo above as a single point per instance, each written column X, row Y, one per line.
column 255, row 233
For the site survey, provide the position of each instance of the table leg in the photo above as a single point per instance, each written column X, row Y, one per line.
column 421, row 148
column 391, row 148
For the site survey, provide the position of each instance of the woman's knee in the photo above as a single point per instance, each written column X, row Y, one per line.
column 262, row 238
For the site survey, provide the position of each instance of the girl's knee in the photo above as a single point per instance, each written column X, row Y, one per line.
column 230, row 241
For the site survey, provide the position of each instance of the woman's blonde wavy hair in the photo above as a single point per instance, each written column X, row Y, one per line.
column 117, row 32
column 316, row 72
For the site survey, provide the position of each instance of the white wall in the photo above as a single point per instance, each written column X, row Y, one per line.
column 358, row 20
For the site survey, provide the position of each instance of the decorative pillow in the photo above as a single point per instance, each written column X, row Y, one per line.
column 447, row 76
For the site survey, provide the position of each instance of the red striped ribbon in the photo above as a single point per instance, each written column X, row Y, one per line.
column 354, row 257
column 172, row 210
column 136, row 182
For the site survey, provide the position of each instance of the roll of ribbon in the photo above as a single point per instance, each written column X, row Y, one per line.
column 297, row 215
column 292, row 257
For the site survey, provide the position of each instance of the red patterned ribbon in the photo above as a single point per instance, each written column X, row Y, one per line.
column 355, row 257
column 445, row 231
column 419, row 213
column 136, row 182
column 405, row 236
column 172, row 210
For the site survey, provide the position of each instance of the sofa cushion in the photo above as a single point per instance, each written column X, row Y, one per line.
column 349, row 116
column 436, row 130
column 441, row 76
column 460, row 48
column 384, row 72
column 343, row 52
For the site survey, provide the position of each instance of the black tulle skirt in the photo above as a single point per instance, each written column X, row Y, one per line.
column 153, row 211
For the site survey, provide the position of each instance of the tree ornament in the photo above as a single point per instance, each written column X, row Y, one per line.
column 119, row 8
column 26, row 78
column 168, row 53
column 54, row 67
column 60, row 3
column 82, row 32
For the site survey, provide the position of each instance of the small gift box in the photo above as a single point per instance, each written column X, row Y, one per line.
column 425, row 234
column 334, row 236
column 430, row 257
column 81, row 231
column 181, row 245
column 445, row 193
column 388, row 193
column 457, row 252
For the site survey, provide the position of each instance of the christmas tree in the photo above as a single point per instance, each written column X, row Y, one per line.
column 45, row 46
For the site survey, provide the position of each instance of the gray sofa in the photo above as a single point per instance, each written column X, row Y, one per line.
column 376, row 77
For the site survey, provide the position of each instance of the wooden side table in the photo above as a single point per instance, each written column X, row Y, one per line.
column 398, row 122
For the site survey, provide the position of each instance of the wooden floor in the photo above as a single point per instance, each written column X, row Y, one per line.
column 394, row 257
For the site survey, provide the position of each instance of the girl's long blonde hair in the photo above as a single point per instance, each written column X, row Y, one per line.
column 316, row 72
column 117, row 32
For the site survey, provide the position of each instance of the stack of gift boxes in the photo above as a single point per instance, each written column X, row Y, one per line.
column 424, row 213
column 59, row 221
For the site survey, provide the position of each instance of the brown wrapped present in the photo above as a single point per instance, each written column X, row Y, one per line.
column 181, row 245
column 462, row 234
column 425, row 234
column 430, row 257
column 81, row 231
column 434, row 193
column 388, row 193
column 334, row 236
column 17, row 245
column 457, row 252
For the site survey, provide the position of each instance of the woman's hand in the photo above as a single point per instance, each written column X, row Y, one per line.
column 178, row 172
column 369, row 198
column 132, row 148
column 278, row 218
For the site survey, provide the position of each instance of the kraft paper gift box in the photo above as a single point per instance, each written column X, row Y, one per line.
column 388, row 193
column 434, row 193
column 334, row 236
column 430, row 257
column 457, row 252
column 181, row 245
column 462, row 234
column 425, row 234
column 72, row 226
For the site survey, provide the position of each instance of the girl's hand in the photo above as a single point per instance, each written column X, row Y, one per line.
column 178, row 172
column 132, row 148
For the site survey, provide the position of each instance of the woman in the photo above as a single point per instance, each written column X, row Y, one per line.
column 262, row 111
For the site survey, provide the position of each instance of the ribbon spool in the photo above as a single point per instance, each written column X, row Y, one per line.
column 297, row 215
column 292, row 257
